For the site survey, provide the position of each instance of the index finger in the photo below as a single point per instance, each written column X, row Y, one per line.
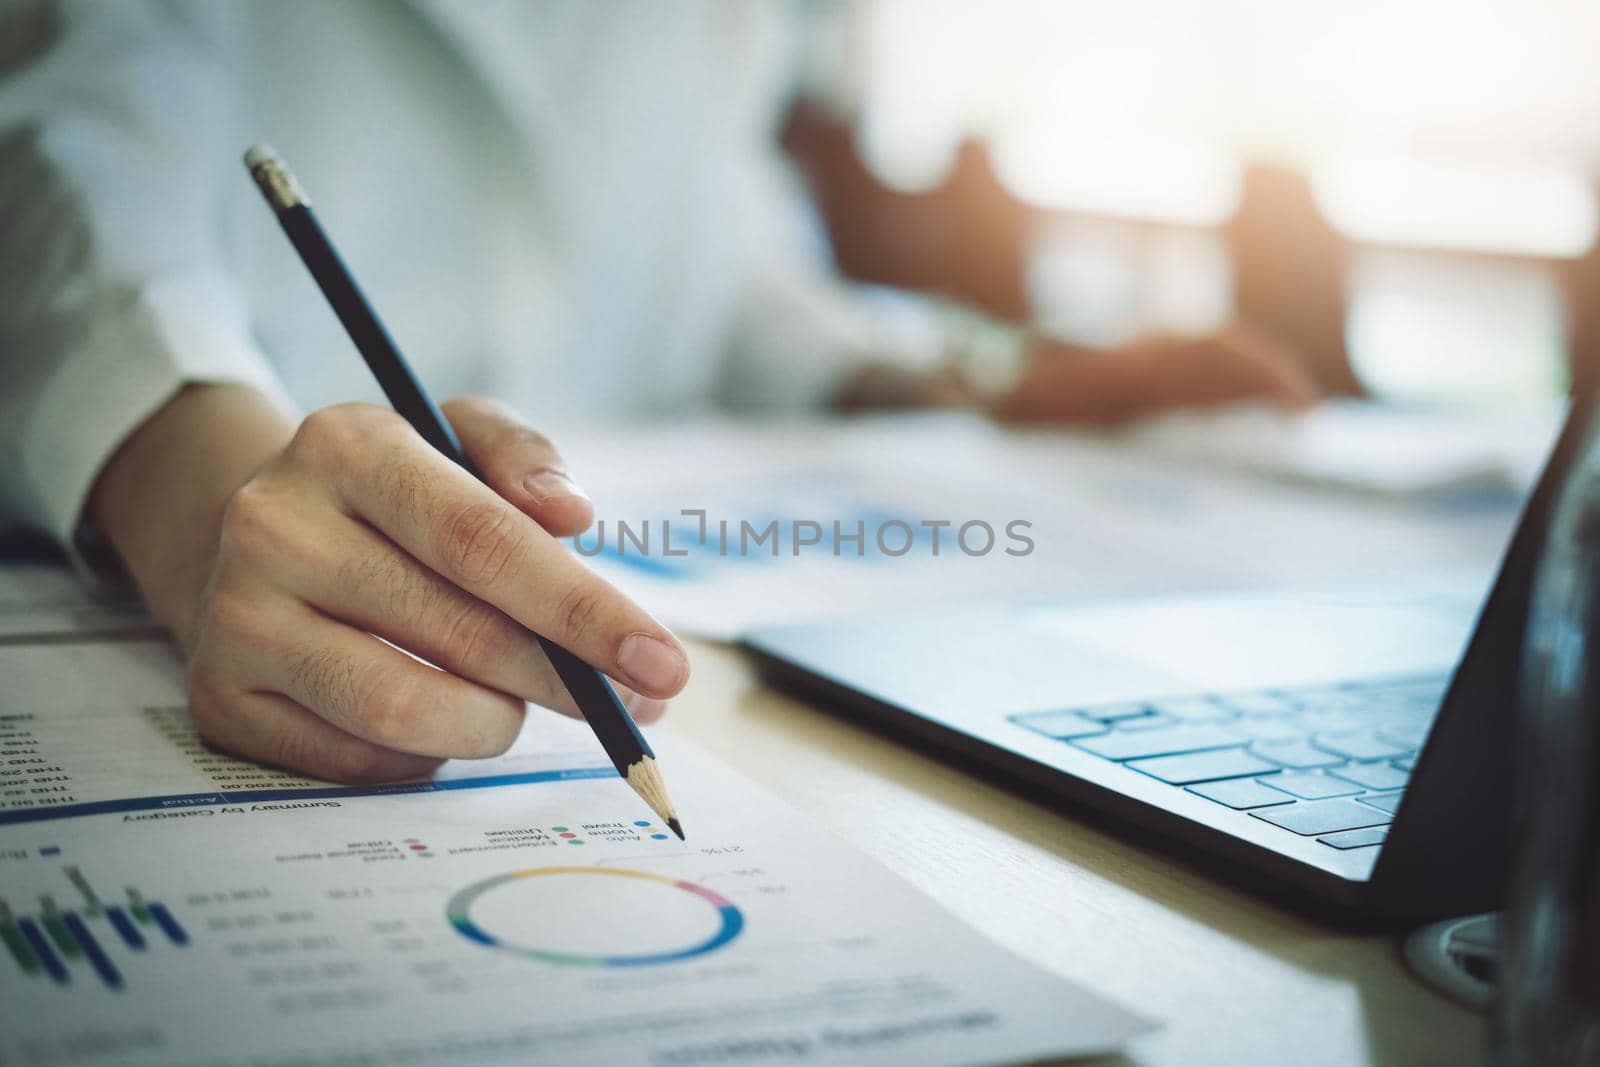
column 461, row 529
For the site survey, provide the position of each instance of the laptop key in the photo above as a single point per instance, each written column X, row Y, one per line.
column 1298, row 753
column 1406, row 763
column 1194, row 709
column 1312, row 818
column 1190, row 737
column 1241, row 793
column 1261, row 728
column 1059, row 724
column 1373, row 775
column 1411, row 736
column 1310, row 785
column 1365, row 838
column 1389, row 802
column 1360, row 745
column 1351, row 701
column 1255, row 704
column 1113, row 712
column 1206, row 766
column 1145, row 722
column 1321, row 720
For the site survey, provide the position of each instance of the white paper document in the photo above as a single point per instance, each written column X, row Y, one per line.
column 738, row 525
column 163, row 904
column 39, row 599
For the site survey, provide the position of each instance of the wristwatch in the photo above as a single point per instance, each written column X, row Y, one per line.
column 989, row 354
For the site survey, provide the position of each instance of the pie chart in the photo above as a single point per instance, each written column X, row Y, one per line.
column 594, row 916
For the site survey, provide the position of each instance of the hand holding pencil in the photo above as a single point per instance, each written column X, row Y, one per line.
column 364, row 524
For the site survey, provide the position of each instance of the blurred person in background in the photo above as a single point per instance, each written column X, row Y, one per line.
column 574, row 208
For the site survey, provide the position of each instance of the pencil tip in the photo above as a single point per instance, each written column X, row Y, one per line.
column 645, row 778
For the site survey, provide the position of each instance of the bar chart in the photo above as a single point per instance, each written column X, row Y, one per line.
column 94, row 935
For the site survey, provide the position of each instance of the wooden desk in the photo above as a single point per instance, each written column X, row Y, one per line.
column 1236, row 981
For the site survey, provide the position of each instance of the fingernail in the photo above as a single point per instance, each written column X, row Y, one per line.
column 551, row 485
column 651, row 664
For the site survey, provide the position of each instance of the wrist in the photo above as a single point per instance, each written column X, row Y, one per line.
column 159, row 500
column 1074, row 383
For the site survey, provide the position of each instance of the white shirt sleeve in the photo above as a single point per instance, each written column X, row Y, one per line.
column 116, row 134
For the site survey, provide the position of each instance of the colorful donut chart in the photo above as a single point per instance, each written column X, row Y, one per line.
column 459, row 908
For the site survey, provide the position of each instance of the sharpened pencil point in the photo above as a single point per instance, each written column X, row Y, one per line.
column 645, row 778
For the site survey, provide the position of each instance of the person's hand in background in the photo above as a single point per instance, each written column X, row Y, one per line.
column 1237, row 365
column 298, row 566
column 1068, row 384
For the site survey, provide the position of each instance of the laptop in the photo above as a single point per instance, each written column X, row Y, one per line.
column 1347, row 752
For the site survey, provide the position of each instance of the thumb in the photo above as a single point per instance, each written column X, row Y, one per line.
column 520, row 464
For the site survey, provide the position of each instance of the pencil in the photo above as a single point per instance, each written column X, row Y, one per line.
column 612, row 725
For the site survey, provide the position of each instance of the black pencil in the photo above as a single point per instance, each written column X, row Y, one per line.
column 618, row 733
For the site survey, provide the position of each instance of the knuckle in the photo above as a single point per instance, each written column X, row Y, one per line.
column 251, row 520
column 324, row 432
column 342, row 430
column 479, row 542
column 579, row 612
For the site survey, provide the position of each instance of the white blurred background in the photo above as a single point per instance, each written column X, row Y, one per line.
column 1449, row 149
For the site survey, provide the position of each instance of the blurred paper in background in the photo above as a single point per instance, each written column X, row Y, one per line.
column 1105, row 520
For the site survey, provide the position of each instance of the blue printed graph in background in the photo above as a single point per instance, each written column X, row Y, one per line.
column 736, row 528
column 747, row 540
column 53, row 942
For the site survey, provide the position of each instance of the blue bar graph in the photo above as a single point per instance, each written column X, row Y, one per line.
column 108, row 939
column 41, row 948
column 125, row 929
column 168, row 924
column 91, row 948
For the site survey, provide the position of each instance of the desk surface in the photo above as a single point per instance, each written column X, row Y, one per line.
column 1235, row 980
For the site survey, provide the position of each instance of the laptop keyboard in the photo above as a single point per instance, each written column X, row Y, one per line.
column 1329, row 762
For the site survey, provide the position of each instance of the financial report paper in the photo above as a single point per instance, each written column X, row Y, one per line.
column 161, row 903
